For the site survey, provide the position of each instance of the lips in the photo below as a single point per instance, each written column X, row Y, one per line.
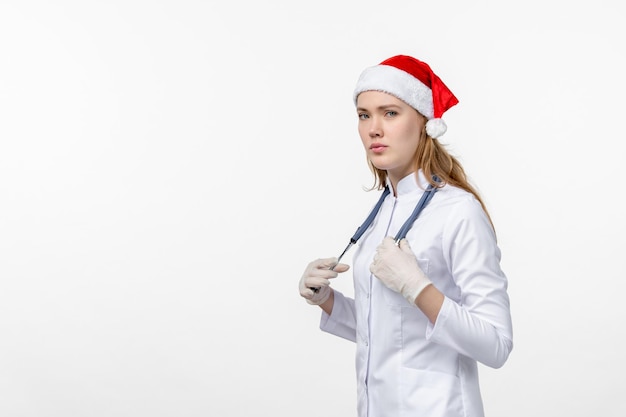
column 377, row 147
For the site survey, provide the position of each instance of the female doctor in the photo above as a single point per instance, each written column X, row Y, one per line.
column 429, row 306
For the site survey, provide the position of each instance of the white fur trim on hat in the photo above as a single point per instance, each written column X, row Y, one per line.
column 400, row 84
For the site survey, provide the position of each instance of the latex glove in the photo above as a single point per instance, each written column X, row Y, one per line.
column 398, row 269
column 318, row 275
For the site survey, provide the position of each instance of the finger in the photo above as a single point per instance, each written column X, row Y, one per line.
column 341, row 268
column 316, row 282
column 405, row 247
column 306, row 293
column 387, row 244
column 324, row 263
column 323, row 273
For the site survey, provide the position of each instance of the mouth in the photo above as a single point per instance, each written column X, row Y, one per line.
column 377, row 147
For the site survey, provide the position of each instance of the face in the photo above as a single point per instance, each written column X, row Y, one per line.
column 390, row 130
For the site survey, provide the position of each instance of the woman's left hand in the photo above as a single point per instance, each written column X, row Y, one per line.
column 396, row 266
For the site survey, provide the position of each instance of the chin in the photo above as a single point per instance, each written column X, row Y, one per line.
column 379, row 162
column 382, row 167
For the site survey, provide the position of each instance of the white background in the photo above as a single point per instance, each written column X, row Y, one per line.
column 168, row 169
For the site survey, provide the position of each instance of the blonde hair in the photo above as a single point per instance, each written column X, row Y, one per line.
column 434, row 159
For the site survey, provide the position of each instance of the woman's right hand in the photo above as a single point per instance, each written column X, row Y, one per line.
column 315, row 282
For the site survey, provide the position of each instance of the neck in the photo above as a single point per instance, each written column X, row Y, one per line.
column 394, row 187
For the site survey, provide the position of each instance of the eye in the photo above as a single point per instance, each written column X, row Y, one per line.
column 391, row 113
column 363, row 116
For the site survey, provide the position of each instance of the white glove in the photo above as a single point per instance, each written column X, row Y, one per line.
column 314, row 284
column 397, row 268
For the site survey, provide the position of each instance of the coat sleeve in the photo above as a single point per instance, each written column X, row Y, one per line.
column 478, row 325
column 342, row 320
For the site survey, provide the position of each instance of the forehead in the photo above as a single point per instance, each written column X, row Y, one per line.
column 374, row 98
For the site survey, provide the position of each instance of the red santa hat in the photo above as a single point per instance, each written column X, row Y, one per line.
column 413, row 82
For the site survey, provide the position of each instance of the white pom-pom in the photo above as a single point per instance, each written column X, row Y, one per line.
column 436, row 128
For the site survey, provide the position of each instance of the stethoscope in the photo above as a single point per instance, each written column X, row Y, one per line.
column 421, row 204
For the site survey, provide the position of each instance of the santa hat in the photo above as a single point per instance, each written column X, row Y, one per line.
column 413, row 82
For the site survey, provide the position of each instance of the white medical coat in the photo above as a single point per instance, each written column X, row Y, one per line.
column 405, row 365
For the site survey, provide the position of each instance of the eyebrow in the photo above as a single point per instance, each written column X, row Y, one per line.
column 382, row 107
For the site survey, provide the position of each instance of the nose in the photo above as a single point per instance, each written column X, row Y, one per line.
column 375, row 130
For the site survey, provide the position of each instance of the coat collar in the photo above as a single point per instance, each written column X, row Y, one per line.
column 411, row 183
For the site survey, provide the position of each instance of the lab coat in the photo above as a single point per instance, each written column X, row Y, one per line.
column 405, row 365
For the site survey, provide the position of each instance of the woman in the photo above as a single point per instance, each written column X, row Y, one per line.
column 426, row 310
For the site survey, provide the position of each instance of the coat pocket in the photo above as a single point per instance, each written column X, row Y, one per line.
column 432, row 394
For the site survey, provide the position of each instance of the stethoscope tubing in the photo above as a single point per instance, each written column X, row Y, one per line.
column 424, row 200
column 428, row 194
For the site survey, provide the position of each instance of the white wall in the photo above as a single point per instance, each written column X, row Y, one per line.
column 168, row 168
